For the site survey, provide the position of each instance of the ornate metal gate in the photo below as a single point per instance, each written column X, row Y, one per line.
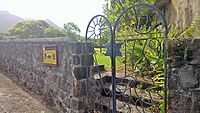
column 137, row 79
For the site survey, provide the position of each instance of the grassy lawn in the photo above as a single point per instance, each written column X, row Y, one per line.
column 105, row 60
column 102, row 59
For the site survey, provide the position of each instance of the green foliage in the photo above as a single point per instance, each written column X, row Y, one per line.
column 2, row 37
column 117, row 6
column 144, row 51
column 5, row 36
column 143, row 57
column 34, row 29
column 191, row 31
column 73, row 31
column 53, row 32
column 70, row 27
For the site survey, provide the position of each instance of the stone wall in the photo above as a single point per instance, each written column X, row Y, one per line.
column 63, row 87
column 182, row 12
column 184, row 76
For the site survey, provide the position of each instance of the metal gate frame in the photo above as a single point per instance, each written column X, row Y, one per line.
column 112, row 52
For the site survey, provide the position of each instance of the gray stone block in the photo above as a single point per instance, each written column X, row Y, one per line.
column 77, row 48
column 187, row 77
column 81, row 72
column 76, row 60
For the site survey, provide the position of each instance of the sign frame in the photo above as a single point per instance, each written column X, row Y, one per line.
column 49, row 55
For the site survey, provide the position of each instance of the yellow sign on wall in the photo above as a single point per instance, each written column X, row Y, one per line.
column 50, row 54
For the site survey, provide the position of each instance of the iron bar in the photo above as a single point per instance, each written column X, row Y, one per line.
column 125, row 57
column 113, row 61
column 129, row 40
column 165, row 69
column 145, row 47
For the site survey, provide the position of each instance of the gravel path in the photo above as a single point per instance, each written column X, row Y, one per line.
column 14, row 100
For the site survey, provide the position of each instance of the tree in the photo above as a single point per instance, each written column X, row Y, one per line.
column 113, row 10
column 72, row 28
column 2, row 37
column 72, row 31
column 53, row 32
column 34, row 29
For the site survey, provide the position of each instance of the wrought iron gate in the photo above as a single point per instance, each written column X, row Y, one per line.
column 137, row 44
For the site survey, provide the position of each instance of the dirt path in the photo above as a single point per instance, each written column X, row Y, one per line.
column 14, row 100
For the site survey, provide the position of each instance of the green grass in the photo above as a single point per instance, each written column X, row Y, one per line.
column 106, row 61
column 102, row 59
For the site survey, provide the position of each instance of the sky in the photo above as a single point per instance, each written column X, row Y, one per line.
column 58, row 11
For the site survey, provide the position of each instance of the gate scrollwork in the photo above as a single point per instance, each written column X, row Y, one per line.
column 139, row 84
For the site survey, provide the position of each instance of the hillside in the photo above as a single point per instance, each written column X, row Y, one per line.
column 7, row 20
column 52, row 23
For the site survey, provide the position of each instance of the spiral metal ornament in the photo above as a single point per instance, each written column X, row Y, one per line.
column 143, row 30
column 98, row 29
column 139, row 82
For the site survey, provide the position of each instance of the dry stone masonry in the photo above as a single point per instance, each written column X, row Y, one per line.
column 63, row 87
column 184, row 76
column 182, row 12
